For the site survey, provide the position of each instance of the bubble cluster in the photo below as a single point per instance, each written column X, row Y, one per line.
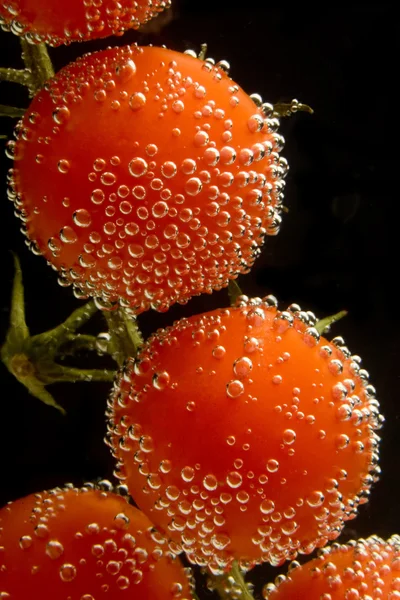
column 85, row 543
column 363, row 569
column 139, row 181
column 278, row 449
column 54, row 22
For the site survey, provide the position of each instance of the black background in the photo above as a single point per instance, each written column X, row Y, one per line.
column 337, row 247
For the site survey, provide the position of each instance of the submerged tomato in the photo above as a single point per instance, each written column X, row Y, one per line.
column 245, row 435
column 362, row 569
column 58, row 22
column 84, row 544
column 146, row 175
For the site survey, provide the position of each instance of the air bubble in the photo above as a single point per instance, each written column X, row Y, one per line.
column 242, row 366
column 67, row 572
column 234, row 388
column 68, row 235
column 54, row 549
column 137, row 101
column 82, row 218
column 234, row 479
column 138, row 167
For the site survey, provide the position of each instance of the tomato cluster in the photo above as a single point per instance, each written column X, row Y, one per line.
column 56, row 22
column 146, row 176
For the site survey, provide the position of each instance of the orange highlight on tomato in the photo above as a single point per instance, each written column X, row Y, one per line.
column 245, row 435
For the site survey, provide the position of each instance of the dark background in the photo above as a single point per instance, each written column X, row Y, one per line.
column 337, row 247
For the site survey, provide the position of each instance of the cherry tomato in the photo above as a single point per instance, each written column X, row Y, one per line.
column 57, row 22
column 84, row 544
column 146, row 175
column 360, row 569
column 244, row 434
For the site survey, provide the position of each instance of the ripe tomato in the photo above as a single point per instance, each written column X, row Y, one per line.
column 146, row 175
column 245, row 435
column 360, row 569
column 55, row 22
column 84, row 544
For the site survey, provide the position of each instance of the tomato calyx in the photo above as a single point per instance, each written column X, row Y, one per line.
column 33, row 360
column 38, row 68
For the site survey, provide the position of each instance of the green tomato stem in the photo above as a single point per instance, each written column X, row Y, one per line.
column 287, row 109
column 126, row 338
column 323, row 325
column 234, row 291
column 231, row 585
column 37, row 62
column 11, row 111
column 20, row 76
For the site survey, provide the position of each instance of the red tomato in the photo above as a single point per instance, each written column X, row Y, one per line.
column 147, row 175
column 58, row 22
column 84, row 544
column 245, row 435
column 363, row 569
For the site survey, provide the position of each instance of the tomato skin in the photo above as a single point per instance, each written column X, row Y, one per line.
column 146, row 175
column 359, row 569
column 55, row 23
column 84, row 544
column 243, row 436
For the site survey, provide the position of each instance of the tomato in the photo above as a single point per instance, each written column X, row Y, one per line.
column 245, row 435
column 360, row 569
column 84, row 544
column 54, row 22
column 146, row 175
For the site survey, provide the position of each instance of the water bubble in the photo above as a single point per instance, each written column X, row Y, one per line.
column 335, row 367
column 61, row 114
column 234, row 388
column 172, row 493
column 63, row 166
column 169, row 169
column 82, row 218
column 234, row 479
column 272, row 465
column 54, row 549
column 289, row 437
column 165, row 466
column 67, row 572
column 210, row 482
column 267, row 507
column 108, row 178
column 161, row 380
column 193, row 186
column 178, row 106
column 242, row 497
column 187, row 474
column 138, row 167
column 137, row 101
column 68, row 235
column 97, row 196
column 121, row 521
column 219, row 352
column 25, row 542
column 126, row 71
column 242, row 366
